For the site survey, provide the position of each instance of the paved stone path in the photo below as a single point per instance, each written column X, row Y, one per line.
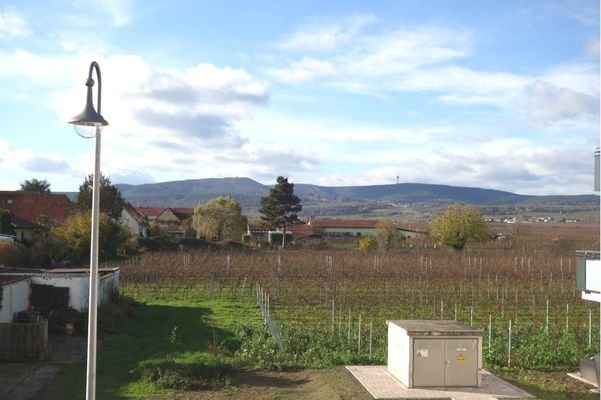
column 382, row 385
column 23, row 380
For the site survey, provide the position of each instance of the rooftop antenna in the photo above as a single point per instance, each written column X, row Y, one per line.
column 397, row 179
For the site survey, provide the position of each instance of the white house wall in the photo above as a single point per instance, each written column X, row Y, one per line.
column 79, row 287
column 108, row 285
column 15, row 298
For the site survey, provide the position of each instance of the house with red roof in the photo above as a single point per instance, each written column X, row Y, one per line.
column 168, row 218
column 30, row 211
column 134, row 220
column 332, row 227
column 356, row 227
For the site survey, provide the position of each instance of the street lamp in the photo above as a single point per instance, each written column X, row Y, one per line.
column 89, row 117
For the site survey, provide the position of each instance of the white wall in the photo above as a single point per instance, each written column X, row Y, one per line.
column 15, row 298
column 593, row 281
column 133, row 225
column 79, row 287
column 108, row 284
column 399, row 353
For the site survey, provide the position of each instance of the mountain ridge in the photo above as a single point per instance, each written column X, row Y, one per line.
column 191, row 192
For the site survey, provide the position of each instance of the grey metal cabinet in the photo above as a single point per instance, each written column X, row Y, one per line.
column 445, row 362
column 434, row 353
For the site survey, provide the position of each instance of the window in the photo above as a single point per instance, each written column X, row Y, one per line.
column 9, row 201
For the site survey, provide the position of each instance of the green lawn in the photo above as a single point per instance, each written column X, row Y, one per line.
column 164, row 335
column 182, row 339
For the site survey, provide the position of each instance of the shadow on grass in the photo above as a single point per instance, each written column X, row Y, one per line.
column 159, row 338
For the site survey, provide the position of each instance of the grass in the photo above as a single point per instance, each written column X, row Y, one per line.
column 167, row 337
column 184, row 340
column 547, row 386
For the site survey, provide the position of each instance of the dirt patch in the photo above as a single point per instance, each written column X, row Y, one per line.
column 330, row 384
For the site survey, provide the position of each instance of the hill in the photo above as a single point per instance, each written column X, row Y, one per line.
column 404, row 199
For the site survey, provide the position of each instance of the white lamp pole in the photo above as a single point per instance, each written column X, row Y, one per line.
column 90, row 118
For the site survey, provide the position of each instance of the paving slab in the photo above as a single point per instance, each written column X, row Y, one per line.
column 23, row 380
column 382, row 385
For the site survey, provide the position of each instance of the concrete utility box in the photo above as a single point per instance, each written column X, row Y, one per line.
column 434, row 353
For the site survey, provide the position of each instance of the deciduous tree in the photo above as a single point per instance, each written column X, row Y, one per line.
column 459, row 225
column 75, row 233
column 387, row 234
column 220, row 218
column 280, row 206
column 111, row 200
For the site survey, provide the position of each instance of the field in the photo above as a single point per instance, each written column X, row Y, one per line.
column 198, row 327
column 331, row 307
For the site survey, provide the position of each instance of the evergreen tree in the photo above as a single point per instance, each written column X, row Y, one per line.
column 111, row 200
column 36, row 185
column 280, row 206
column 6, row 226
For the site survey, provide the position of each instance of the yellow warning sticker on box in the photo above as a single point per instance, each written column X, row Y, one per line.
column 460, row 359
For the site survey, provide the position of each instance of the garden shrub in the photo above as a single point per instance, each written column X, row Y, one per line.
column 368, row 244
column 13, row 254
column 207, row 373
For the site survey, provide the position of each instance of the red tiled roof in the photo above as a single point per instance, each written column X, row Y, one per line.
column 31, row 206
column 150, row 211
column 300, row 230
column 135, row 214
column 344, row 223
column 352, row 223
column 182, row 212
column 154, row 212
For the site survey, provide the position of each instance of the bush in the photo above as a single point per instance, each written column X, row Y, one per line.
column 57, row 320
column 208, row 373
column 368, row 244
column 156, row 243
column 13, row 254
column 193, row 243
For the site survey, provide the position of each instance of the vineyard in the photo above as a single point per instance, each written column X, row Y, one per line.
column 329, row 307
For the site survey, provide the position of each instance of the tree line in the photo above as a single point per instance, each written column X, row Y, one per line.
column 219, row 219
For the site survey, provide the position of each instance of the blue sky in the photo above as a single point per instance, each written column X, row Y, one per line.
column 501, row 95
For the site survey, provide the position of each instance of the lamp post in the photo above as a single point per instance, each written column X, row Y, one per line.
column 89, row 117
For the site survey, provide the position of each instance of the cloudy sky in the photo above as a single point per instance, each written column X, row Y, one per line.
column 494, row 94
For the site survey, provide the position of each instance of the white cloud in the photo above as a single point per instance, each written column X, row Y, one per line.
column 177, row 123
column 326, row 33
column 427, row 60
column 197, row 103
column 12, row 26
column 119, row 11
column 550, row 104
column 404, row 51
column 47, row 71
column 17, row 161
column 526, row 169
column 303, row 70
